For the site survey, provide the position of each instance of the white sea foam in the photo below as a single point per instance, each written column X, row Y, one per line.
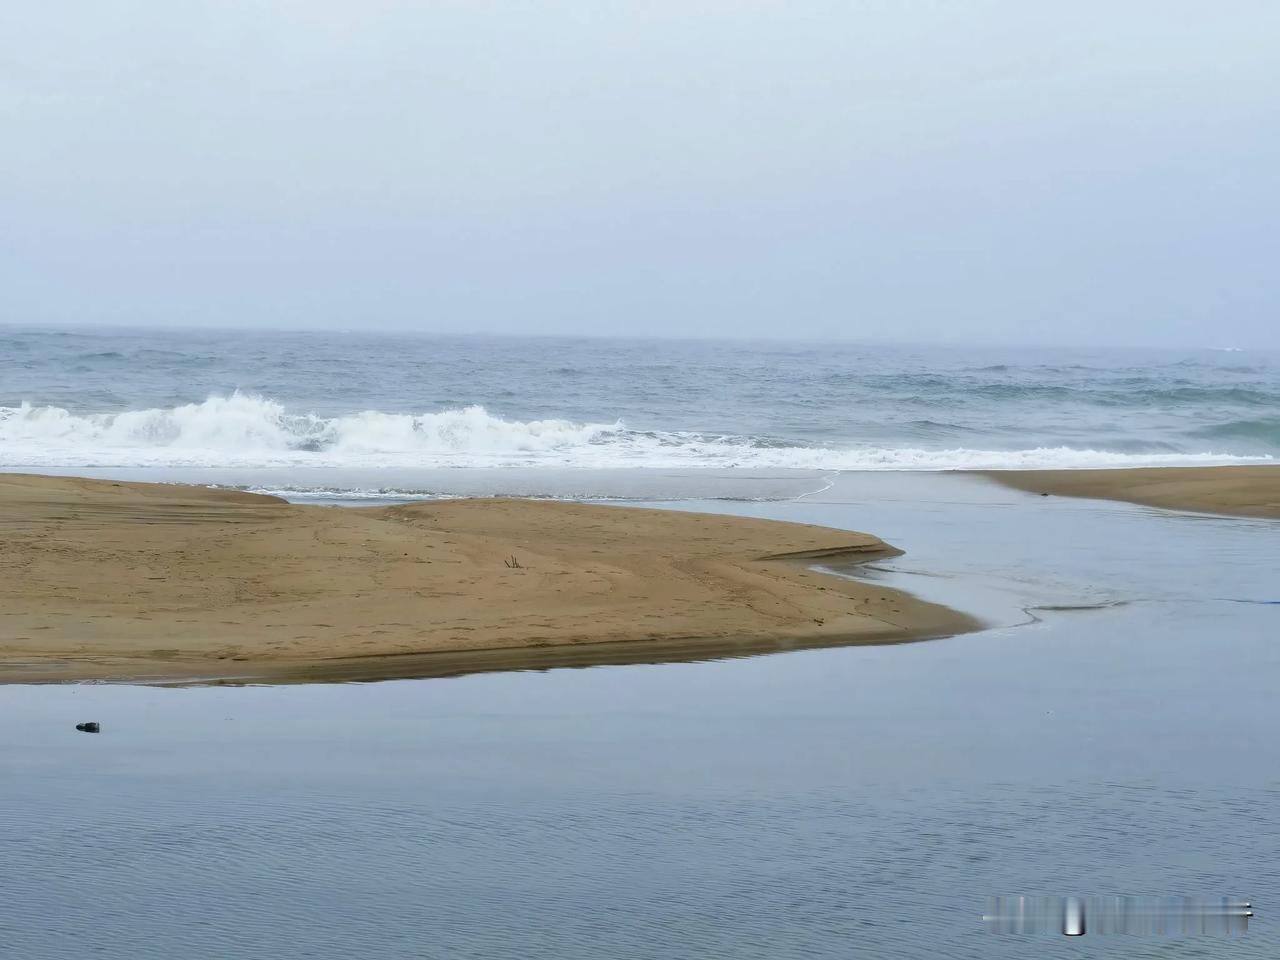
column 246, row 431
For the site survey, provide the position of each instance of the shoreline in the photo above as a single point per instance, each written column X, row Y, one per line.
column 429, row 665
column 160, row 583
column 1236, row 490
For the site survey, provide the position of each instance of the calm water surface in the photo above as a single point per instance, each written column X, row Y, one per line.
column 832, row 803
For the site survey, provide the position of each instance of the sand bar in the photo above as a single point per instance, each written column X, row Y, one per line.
column 157, row 582
column 1246, row 491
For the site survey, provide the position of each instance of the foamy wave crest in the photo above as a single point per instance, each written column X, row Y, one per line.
column 246, row 430
column 243, row 430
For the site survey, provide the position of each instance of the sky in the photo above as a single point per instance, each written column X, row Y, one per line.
column 1048, row 172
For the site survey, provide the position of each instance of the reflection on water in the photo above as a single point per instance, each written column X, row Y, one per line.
column 860, row 801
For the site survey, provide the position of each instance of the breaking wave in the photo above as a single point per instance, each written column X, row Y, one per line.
column 244, row 430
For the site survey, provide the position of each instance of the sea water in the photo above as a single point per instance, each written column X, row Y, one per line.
column 388, row 405
column 1110, row 733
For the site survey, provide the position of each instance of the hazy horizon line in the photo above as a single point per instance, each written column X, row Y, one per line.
column 102, row 327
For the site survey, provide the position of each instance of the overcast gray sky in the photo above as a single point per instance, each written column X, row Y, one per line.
column 1072, row 172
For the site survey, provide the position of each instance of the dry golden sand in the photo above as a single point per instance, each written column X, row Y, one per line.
column 164, row 582
column 1247, row 491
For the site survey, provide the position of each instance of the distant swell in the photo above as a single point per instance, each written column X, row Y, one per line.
column 242, row 430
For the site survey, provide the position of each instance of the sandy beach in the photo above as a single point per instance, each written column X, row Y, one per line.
column 136, row 581
column 1245, row 491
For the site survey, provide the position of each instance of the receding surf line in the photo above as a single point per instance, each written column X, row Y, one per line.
column 243, row 430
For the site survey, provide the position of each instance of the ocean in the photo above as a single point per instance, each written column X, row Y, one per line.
column 337, row 411
column 1108, row 733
